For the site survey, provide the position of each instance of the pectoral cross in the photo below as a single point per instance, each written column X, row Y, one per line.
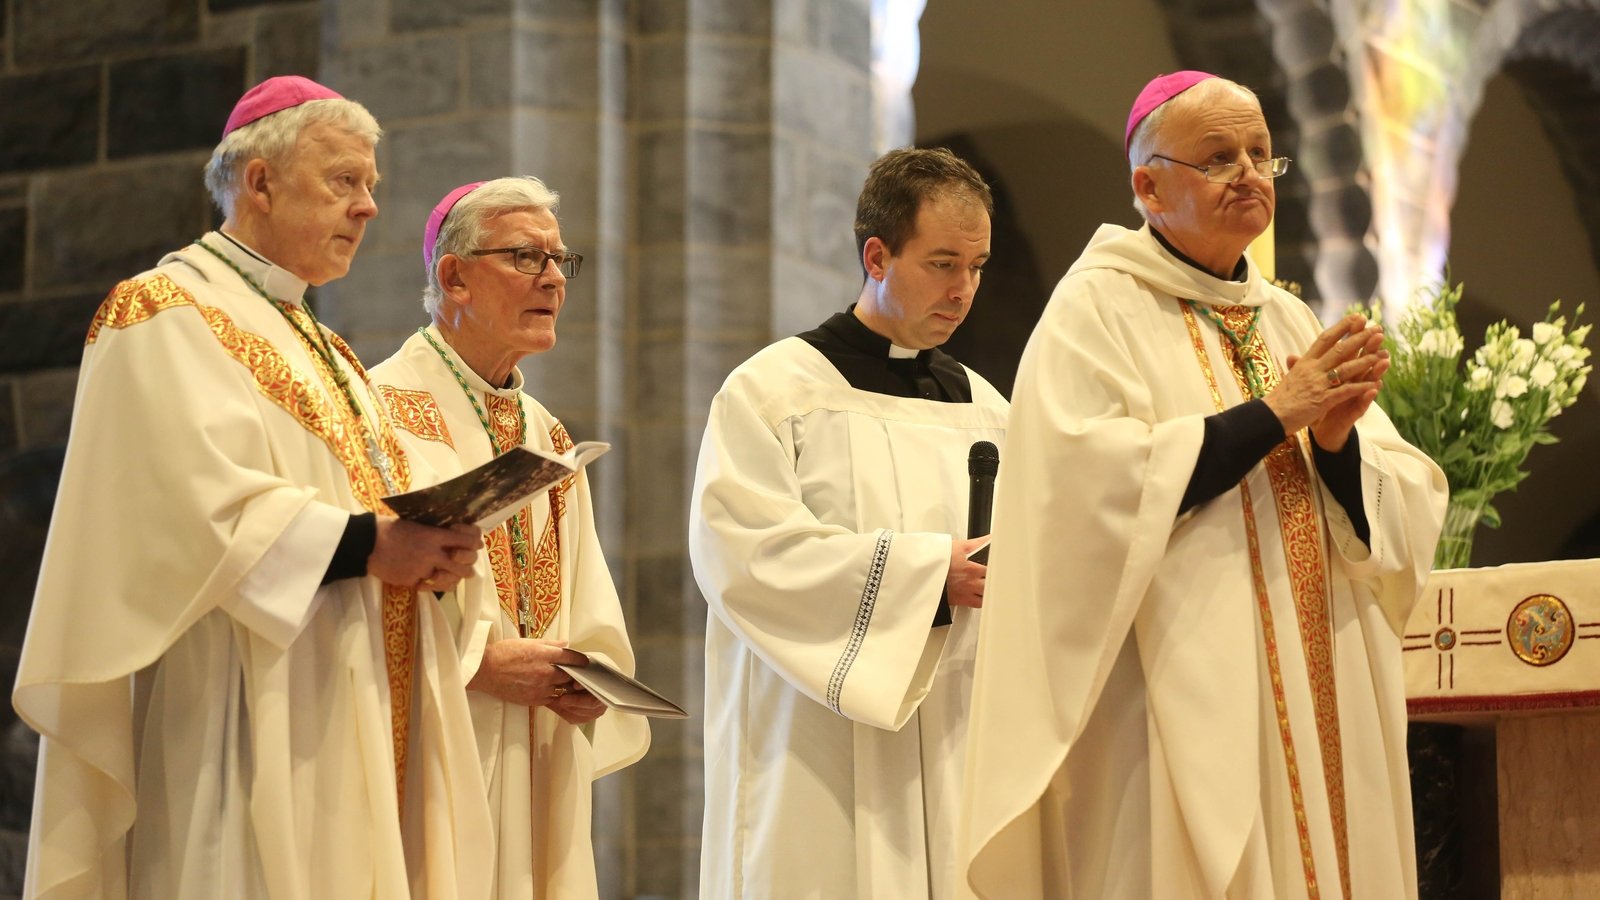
column 525, row 609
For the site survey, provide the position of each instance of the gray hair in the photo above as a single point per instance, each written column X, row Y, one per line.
column 463, row 229
column 1142, row 143
column 273, row 137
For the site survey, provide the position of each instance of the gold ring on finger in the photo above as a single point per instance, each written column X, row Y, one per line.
column 1333, row 378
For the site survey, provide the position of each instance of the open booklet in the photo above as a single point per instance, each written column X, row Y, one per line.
column 620, row 692
column 489, row 494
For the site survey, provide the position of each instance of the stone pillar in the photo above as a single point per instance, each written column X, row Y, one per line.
column 708, row 153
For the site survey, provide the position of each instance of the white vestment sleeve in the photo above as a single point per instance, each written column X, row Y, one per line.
column 276, row 597
column 845, row 617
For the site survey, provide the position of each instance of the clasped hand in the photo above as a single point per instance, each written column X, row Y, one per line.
column 1330, row 387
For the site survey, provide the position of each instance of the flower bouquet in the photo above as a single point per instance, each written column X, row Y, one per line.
column 1478, row 421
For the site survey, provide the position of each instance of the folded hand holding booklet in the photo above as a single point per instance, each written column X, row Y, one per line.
column 620, row 692
column 489, row 494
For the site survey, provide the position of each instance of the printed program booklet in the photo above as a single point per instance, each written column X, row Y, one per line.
column 620, row 692
column 489, row 494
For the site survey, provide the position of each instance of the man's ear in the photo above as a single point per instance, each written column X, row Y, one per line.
column 451, row 281
column 1144, row 187
column 257, row 185
column 875, row 258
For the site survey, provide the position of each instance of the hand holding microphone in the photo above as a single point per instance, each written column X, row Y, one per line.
column 965, row 583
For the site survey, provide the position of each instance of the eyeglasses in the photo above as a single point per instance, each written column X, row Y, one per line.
column 1228, row 173
column 531, row 260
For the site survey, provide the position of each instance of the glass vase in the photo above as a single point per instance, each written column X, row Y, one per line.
column 1455, row 541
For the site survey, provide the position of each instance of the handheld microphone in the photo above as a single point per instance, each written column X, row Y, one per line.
column 983, row 463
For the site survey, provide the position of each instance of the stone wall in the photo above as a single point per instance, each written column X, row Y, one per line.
column 107, row 115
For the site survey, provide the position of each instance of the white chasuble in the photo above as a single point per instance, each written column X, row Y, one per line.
column 820, row 533
column 538, row 768
column 216, row 722
column 1206, row 705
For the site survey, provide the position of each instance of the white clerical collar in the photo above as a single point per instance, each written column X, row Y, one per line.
column 279, row 283
column 474, row 380
column 898, row 352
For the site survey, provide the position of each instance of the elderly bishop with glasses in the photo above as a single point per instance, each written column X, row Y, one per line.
column 1207, row 538
column 497, row 273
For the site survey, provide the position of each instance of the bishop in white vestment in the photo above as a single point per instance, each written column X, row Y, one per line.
column 1207, row 541
column 828, row 505
column 239, row 691
column 544, row 578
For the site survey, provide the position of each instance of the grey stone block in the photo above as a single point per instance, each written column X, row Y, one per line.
column 44, row 403
column 566, row 379
column 710, row 361
column 230, row 5
column 729, row 82
column 424, row 162
column 824, row 100
column 732, row 17
column 847, row 31
column 537, row 69
column 287, row 43
column 561, row 149
column 406, row 15
column 350, row 22
column 50, row 34
column 663, row 184
column 657, row 370
column 402, row 79
column 730, row 188
column 13, row 242
column 563, row 11
column 727, row 291
column 658, row 489
column 804, row 293
column 660, row 73
column 666, row 870
column 49, row 119
column 831, row 191
column 666, row 793
column 658, row 17
column 170, row 103
column 45, row 333
column 93, row 229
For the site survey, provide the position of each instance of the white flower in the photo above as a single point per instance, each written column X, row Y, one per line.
column 1479, row 379
column 1563, row 353
column 1522, row 351
column 1543, row 373
column 1511, row 386
column 1545, row 332
column 1501, row 414
column 1445, row 342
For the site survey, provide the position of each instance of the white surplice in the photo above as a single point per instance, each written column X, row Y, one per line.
column 1153, row 709
column 539, row 781
column 820, row 533
column 215, row 722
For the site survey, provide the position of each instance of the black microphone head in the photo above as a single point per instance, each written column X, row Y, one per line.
column 983, row 459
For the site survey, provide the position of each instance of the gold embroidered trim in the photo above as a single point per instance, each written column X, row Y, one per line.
column 1269, row 635
column 542, row 577
column 132, row 302
column 416, row 412
column 1295, row 497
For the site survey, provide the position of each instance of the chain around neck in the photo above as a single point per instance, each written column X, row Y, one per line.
column 1256, row 381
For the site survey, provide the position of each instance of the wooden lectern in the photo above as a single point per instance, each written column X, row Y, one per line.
column 1514, row 651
